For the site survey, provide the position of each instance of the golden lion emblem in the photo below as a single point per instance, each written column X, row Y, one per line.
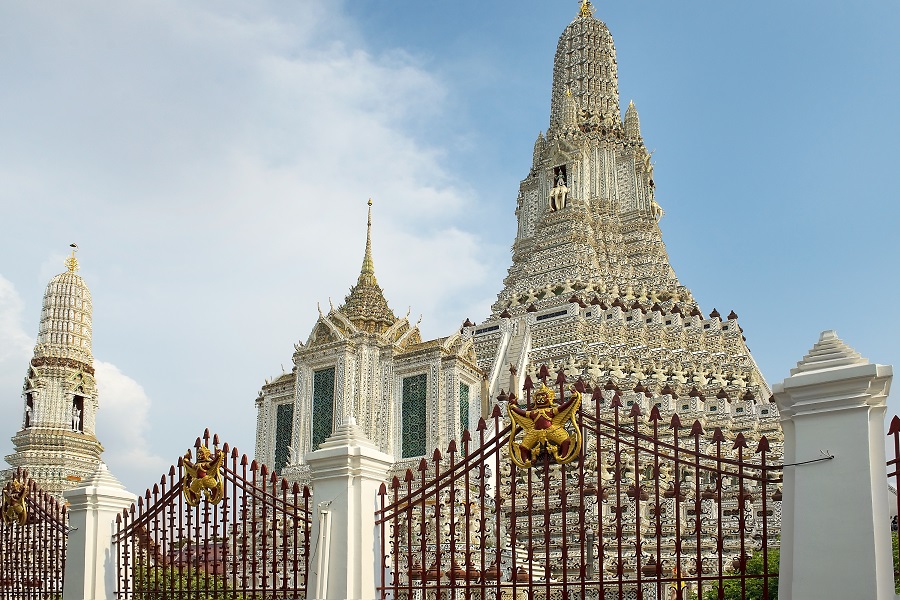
column 13, row 509
column 544, row 427
column 203, row 478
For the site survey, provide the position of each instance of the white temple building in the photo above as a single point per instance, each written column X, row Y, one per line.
column 590, row 290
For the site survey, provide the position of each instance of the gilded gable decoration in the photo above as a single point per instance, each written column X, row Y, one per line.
column 324, row 333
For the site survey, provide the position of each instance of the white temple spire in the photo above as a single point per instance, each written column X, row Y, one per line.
column 57, row 443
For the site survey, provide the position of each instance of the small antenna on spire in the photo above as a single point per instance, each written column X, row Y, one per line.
column 71, row 261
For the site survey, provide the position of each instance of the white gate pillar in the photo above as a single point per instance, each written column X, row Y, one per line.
column 347, row 470
column 835, row 532
column 90, row 553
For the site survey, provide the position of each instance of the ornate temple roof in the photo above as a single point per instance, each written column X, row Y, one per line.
column 65, row 329
column 365, row 306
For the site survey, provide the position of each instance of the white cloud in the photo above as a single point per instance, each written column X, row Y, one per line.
column 16, row 344
column 15, row 350
column 123, row 428
column 213, row 161
column 215, row 126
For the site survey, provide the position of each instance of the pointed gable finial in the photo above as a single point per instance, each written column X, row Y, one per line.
column 632, row 122
column 586, row 9
column 71, row 261
column 367, row 273
column 366, row 305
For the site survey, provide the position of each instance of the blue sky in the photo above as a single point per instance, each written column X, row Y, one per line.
column 213, row 161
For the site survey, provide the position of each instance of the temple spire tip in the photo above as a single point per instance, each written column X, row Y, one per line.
column 71, row 261
column 368, row 267
column 586, row 9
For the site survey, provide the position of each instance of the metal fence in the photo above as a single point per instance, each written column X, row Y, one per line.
column 649, row 508
column 223, row 527
column 33, row 535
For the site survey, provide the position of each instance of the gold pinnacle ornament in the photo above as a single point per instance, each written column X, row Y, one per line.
column 71, row 261
column 586, row 10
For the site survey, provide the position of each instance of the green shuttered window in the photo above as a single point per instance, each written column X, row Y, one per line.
column 323, row 405
column 415, row 428
column 463, row 407
column 284, row 428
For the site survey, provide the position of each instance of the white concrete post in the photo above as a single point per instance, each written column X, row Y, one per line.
column 835, row 531
column 347, row 471
column 90, row 555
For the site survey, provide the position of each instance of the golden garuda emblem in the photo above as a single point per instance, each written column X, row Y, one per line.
column 203, row 477
column 13, row 509
column 543, row 424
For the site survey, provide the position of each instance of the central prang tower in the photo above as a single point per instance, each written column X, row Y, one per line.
column 590, row 289
column 586, row 213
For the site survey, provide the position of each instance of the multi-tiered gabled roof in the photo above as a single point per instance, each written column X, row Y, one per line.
column 365, row 311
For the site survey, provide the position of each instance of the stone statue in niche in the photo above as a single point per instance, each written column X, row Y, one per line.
column 76, row 418
column 29, row 410
column 559, row 193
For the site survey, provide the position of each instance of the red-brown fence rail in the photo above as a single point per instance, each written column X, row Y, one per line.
column 651, row 508
column 249, row 539
column 33, row 535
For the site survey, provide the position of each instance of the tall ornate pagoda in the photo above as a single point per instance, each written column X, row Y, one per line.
column 57, row 442
column 590, row 288
column 364, row 362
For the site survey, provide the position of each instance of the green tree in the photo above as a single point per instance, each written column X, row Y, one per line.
column 754, row 581
column 159, row 583
column 894, row 545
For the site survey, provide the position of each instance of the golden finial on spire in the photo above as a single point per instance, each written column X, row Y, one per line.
column 586, row 10
column 71, row 261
